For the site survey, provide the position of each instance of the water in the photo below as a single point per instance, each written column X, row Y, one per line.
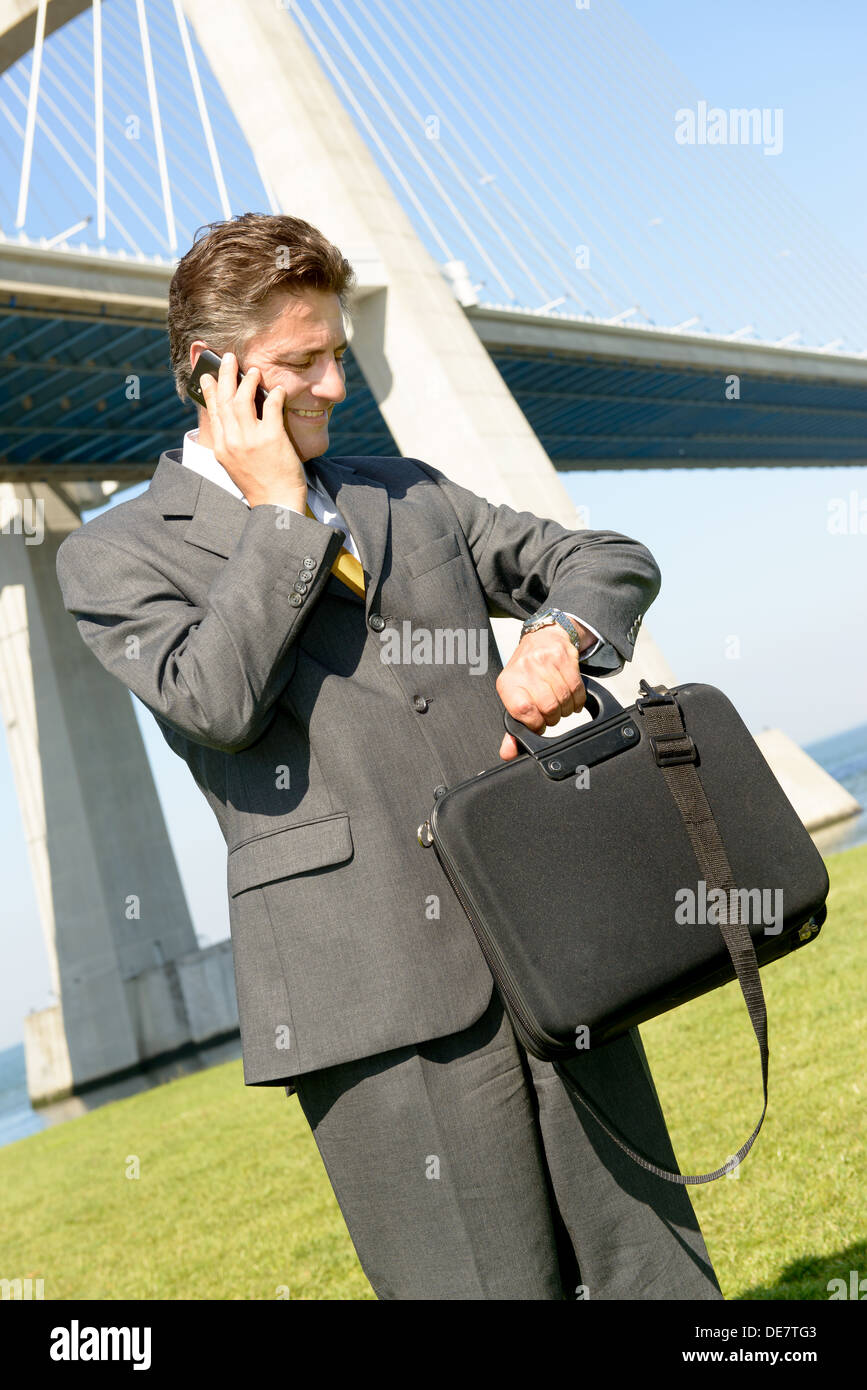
column 18, row 1118
column 844, row 756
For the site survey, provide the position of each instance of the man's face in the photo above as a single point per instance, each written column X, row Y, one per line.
column 302, row 351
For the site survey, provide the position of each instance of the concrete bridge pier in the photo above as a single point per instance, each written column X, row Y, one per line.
column 111, row 903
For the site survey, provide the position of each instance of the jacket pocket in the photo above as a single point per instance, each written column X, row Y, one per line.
column 294, row 849
column 432, row 553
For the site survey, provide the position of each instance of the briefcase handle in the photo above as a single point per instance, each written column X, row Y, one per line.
column 601, row 704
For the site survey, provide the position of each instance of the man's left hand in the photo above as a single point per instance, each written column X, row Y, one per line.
column 541, row 684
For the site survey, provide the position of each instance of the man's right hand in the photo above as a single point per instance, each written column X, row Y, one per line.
column 258, row 455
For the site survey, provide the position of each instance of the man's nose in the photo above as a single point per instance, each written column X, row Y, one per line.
column 331, row 383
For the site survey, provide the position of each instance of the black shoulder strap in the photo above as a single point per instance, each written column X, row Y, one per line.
column 676, row 754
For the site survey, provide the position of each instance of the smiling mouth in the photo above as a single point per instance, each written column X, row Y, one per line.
column 309, row 414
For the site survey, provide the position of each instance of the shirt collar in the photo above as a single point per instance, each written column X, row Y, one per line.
column 203, row 460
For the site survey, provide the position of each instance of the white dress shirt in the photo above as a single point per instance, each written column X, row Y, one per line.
column 202, row 460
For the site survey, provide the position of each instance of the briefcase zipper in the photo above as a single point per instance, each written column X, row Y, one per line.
column 491, row 952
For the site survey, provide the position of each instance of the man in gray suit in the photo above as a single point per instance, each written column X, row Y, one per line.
column 225, row 598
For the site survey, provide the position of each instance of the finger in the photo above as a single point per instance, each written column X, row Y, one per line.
column 247, row 385
column 552, row 694
column 573, row 699
column 564, row 678
column 209, row 391
column 275, row 407
column 227, row 381
column 243, row 405
column 561, row 692
column 508, row 748
column 549, row 697
column 274, row 403
column 561, row 708
column 526, row 711
column 545, row 668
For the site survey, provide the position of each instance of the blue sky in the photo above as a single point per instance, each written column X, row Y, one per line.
column 744, row 554
column 806, row 58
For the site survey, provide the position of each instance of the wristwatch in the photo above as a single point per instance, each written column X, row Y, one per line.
column 553, row 615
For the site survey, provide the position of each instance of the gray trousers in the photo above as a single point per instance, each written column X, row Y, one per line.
column 464, row 1170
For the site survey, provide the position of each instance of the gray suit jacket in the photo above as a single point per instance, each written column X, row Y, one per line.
column 318, row 757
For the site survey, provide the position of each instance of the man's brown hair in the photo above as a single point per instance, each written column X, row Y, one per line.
column 230, row 285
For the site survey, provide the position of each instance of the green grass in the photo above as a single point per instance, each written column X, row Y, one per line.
column 233, row 1202
column 797, row 1214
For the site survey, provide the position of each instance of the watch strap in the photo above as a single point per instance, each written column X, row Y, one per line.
column 554, row 615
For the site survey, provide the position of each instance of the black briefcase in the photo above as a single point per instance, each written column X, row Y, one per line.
column 632, row 864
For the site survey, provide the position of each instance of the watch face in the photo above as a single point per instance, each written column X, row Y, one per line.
column 551, row 616
column 540, row 620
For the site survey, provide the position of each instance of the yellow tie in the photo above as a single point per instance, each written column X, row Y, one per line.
column 346, row 568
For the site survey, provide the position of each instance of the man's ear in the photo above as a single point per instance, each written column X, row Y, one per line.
column 195, row 349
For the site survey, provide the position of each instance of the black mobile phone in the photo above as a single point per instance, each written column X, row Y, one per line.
column 208, row 364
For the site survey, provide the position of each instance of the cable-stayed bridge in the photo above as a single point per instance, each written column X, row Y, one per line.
column 562, row 264
column 614, row 274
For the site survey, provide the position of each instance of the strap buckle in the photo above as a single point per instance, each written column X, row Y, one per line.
column 681, row 749
column 650, row 696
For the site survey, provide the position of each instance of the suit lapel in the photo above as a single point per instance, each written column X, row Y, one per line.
column 363, row 502
column 217, row 519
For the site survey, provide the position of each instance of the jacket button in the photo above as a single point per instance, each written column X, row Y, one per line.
column 377, row 622
column 296, row 600
column 308, row 562
column 420, row 703
column 301, row 588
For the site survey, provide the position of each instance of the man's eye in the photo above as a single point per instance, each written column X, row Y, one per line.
column 302, row 366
